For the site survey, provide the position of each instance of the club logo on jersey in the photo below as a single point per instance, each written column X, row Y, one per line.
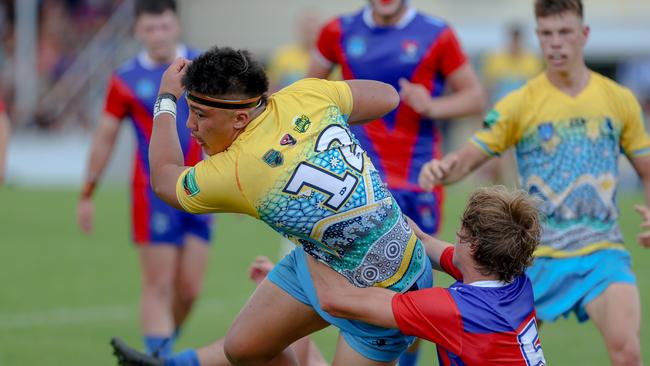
column 491, row 118
column 287, row 140
column 190, row 186
column 273, row 158
column 145, row 88
column 409, row 51
column 301, row 123
column 545, row 131
column 356, row 47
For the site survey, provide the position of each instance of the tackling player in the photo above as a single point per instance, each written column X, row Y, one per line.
column 568, row 126
column 487, row 317
column 172, row 245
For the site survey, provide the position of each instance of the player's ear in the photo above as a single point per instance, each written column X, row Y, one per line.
column 241, row 119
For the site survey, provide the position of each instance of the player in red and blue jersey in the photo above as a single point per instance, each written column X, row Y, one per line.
column 5, row 130
column 419, row 55
column 487, row 317
column 173, row 245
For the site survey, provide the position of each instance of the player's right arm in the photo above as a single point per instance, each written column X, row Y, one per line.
column 502, row 130
column 371, row 100
column 100, row 153
column 5, row 131
column 434, row 247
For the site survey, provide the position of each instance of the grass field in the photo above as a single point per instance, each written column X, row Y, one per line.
column 64, row 295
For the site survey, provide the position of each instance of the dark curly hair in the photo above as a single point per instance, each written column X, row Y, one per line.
column 544, row 8
column 225, row 72
column 153, row 7
column 502, row 229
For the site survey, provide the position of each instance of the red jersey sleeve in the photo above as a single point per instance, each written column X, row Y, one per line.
column 447, row 263
column 328, row 41
column 431, row 314
column 451, row 53
column 117, row 100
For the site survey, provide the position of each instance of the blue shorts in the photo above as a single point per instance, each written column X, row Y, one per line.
column 565, row 285
column 155, row 222
column 422, row 207
column 379, row 344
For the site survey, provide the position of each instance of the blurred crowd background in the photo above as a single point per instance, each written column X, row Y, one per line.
column 56, row 57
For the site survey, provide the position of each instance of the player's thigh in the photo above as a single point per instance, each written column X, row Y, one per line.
column 617, row 312
column 345, row 355
column 192, row 262
column 269, row 322
column 158, row 263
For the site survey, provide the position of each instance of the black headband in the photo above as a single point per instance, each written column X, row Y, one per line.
column 223, row 103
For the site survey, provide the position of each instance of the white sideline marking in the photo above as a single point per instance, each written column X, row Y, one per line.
column 81, row 315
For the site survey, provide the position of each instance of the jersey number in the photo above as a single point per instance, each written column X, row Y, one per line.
column 337, row 188
column 531, row 348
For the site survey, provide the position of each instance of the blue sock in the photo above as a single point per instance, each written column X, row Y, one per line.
column 160, row 346
column 407, row 358
column 185, row 358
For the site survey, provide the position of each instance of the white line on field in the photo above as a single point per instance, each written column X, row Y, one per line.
column 80, row 315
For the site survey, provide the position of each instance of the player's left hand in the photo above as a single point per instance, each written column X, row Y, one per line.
column 171, row 81
column 259, row 269
column 644, row 237
column 416, row 96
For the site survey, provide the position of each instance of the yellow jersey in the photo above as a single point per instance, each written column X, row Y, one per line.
column 567, row 151
column 298, row 168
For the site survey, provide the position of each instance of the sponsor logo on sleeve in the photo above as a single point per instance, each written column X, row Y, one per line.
column 189, row 183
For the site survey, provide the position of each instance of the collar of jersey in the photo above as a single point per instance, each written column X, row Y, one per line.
column 406, row 18
column 149, row 64
column 489, row 283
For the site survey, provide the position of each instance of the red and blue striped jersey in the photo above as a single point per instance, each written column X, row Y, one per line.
column 419, row 48
column 483, row 323
column 132, row 92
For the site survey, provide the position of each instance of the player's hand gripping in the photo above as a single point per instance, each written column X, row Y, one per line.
column 416, row 96
column 435, row 172
column 86, row 215
column 171, row 81
column 644, row 237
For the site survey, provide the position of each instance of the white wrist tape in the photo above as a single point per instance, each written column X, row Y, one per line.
column 164, row 104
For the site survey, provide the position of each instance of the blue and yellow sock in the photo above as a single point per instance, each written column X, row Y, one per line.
column 159, row 346
column 185, row 358
column 409, row 358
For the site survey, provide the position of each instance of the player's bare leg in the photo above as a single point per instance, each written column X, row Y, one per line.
column 158, row 266
column 270, row 321
column 345, row 356
column 306, row 350
column 191, row 267
column 617, row 314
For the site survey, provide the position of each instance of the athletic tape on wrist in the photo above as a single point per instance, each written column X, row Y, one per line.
column 165, row 103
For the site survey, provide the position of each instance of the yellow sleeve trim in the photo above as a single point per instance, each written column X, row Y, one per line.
column 546, row 251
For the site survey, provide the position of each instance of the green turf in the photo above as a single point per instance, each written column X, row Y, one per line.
column 64, row 295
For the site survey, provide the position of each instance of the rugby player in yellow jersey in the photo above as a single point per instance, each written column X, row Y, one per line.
column 569, row 126
column 290, row 161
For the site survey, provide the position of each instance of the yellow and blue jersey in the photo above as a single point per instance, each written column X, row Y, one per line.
column 567, row 152
column 298, row 168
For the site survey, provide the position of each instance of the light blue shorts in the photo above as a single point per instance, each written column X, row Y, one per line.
column 378, row 344
column 565, row 285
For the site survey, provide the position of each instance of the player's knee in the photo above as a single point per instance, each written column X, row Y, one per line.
column 158, row 287
column 625, row 351
column 240, row 353
column 187, row 292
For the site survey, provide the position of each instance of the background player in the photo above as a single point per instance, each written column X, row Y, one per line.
column 487, row 317
column 290, row 161
column 5, row 131
column 173, row 245
column 419, row 55
column 569, row 126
